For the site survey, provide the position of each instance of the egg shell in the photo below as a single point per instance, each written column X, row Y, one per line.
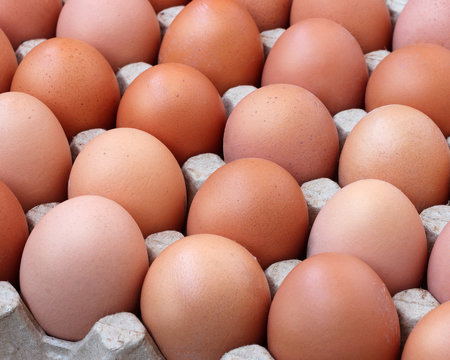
column 403, row 146
column 124, row 32
column 74, row 80
column 329, row 63
column 205, row 295
column 136, row 170
column 415, row 75
column 25, row 20
column 438, row 273
column 333, row 306
column 374, row 221
column 269, row 14
column 369, row 23
column 256, row 203
column 85, row 259
column 429, row 339
column 423, row 21
column 8, row 62
column 34, row 151
column 159, row 5
column 177, row 104
column 288, row 125
column 219, row 38
column 13, row 235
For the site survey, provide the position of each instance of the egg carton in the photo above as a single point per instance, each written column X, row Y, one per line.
column 122, row 335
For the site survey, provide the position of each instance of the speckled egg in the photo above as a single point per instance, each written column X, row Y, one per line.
column 256, row 203
column 288, row 125
column 74, row 80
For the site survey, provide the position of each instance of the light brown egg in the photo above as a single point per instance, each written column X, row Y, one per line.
column 34, row 153
column 415, row 75
column 13, row 235
column 430, row 339
column 219, row 38
column 256, row 203
column 438, row 273
column 178, row 105
column 123, row 31
column 84, row 260
column 269, row 14
column 333, row 306
column 137, row 171
column 374, row 221
column 74, row 80
column 287, row 125
column 8, row 62
column 159, row 5
column 370, row 23
column 423, row 21
column 403, row 146
column 329, row 63
column 25, row 20
column 205, row 295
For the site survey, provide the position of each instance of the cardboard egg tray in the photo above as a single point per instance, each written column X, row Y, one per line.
column 122, row 335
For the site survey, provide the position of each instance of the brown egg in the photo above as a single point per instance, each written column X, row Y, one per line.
column 13, row 235
column 438, row 273
column 370, row 23
column 127, row 32
column 374, row 221
column 403, row 146
column 423, row 21
column 269, row 14
column 74, row 80
column 34, row 152
column 415, row 75
column 333, row 306
column 219, row 38
column 329, row 63
column 25, row 20
column 137, row 171
column 8, row 62
column 84, row 260
column 287, row 125
column 430, row 339
column 205, row 295
column 159, row 5
column 256, row 203
column 178, row 105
